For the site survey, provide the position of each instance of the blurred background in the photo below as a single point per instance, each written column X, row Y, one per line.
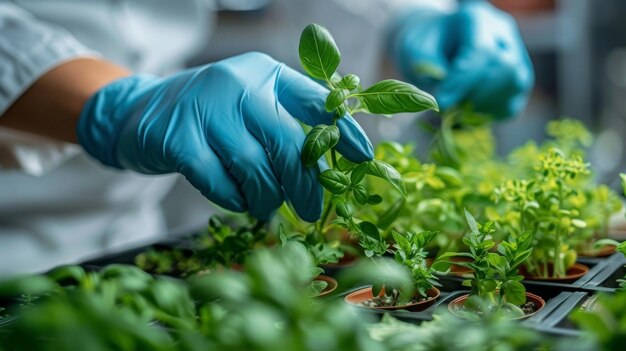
column 578, row 48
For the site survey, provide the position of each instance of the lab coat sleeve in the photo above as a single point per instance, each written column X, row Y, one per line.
column 28, row 49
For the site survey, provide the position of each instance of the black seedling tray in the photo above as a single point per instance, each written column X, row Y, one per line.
column 553, row 301
column 558, row 322
column 408, row 316
column 606, row 280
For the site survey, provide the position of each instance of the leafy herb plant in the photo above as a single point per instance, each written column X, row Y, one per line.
column 222, row 245
column 495, row 284
column 344, row 180
column 540, row 204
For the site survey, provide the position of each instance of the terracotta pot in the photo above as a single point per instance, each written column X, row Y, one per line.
column 604, row 251
column 573, row 273
column 332, row 285
column 459, row 302
column 355, row 298
column 456, row 270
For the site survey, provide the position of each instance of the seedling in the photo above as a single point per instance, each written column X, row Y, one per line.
column 222, row 245
column 495, row 284
column 410, row 252
column 344, row 180
column 540, row 205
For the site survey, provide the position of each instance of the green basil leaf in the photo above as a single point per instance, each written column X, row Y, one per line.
column 319, row 140
column 349, row 81
column 360, row 194
column 388, row 217
column 336, row 98
column 319, row 54
column 515, row 292
column 393, row 96
column 385, row 171
column 345, row 165
column 334, row 181
column 345, row 209
column 358, row 173
column 370, row 229
column 374, row 199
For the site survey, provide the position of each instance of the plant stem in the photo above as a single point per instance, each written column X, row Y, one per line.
column 333, row 158
column 324, row 218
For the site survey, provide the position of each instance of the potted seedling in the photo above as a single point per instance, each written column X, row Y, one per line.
column 539, row 204
column 495, row 284
column 344, row 181
column 320, row 285
column 408, row 251
column 597, row 203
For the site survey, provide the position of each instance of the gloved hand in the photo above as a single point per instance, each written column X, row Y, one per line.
column 474, row 55
column 231, row 128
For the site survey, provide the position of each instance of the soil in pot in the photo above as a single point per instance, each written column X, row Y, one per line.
column 573, row 273
column 331, row 285
column 534, row 304
column 364, row 298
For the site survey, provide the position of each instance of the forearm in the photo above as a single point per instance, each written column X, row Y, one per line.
column 52, row 105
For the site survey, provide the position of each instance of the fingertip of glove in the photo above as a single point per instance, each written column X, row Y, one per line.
column 354, row 143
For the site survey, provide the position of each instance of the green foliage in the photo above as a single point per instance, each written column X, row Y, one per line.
column 447, row 332
column 410, row 251
column 393, row 96
column 334, row 181
column 319, row 54
column 222, row 245
column 540, row 205
column 345, row 181
column 495, row 284
column 317, row 142
column 605, row 322
column 266, row 307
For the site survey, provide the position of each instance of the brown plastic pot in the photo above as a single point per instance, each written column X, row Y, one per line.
column 459, row 302
column 332, row 285
column 573, row 273
column 604, row 251
column 361, row 295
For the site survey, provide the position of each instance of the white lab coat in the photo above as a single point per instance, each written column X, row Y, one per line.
column 59, row 206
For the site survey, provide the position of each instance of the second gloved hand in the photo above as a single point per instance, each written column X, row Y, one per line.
column 474, row 55
column 231, row 128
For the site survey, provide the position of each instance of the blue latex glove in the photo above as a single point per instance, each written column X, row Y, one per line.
column 474, row 55
column 231, row 128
